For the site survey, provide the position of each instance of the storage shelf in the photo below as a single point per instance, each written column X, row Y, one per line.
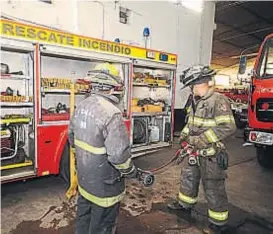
column 15, row 120
column 149, row 113
column 18, row 104
column 151, row 85
column 56, row 122
column 60, row 91
column 45, row 90
column 12, row 166
column 15, row 77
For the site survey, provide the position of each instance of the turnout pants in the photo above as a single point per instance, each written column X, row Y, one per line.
column 213, row 180
column 93, row 219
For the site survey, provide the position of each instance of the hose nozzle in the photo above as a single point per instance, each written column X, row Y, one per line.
column 145, row 177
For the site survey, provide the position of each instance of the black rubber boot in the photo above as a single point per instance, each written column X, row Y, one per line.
column 174, row 205
column 215, row 229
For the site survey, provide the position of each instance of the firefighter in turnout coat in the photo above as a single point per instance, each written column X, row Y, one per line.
column 103, row 155
column 203, row 154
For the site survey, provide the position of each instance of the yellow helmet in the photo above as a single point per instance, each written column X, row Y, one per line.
column 107, row 68
column 105, row 76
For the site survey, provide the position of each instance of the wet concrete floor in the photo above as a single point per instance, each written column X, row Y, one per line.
column 39, row 205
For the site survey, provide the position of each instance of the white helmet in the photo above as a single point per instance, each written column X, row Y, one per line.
column 197, row 75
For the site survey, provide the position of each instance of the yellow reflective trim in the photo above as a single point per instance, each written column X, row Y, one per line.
column 185, row 130
column 5, row 132
column 209, row 152
column 187, row 199
column 224, row 119
column 211, row 136
column 188, row 109
column 101, row 201
column 13, row 120
column 197, row 121
column 90, row 148
column 123, row 166
column 219, row 216
column 12, row 166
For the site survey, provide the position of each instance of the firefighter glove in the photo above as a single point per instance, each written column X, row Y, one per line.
column 185, row 150
column 222, row 159
column 180, row 156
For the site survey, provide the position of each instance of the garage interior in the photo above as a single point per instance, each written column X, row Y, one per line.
column 221, row 35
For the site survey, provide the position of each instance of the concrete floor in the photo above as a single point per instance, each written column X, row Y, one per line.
column 39, row 205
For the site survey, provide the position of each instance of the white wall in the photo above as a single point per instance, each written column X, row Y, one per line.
column 173, row 28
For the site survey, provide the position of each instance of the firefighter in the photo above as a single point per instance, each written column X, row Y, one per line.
column 103, row 154
column 203, row 154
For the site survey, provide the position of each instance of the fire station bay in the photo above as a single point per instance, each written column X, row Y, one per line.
column 141, row 117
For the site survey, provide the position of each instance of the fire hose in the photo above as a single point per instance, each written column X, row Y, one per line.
column 186, row 150
column 146, row 177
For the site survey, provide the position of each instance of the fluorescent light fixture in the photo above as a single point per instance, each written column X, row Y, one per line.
column 195, row 5
column 222, row 80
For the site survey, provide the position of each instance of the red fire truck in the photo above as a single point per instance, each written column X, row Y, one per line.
column 260, row 110
column 44, row 75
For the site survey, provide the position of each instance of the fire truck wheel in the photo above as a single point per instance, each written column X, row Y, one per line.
column 265, row 157
column 239, row 123
column 65, row 165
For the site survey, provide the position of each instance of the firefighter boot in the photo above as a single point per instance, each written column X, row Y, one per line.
column 215, row 229
column 175, row 205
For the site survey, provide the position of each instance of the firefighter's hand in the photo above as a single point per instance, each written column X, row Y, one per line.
column 132, row 174
column 182, row 138
column 181, row 154
column 197, row 142
column 186, row 150
column 179, row 158
column 222, row 159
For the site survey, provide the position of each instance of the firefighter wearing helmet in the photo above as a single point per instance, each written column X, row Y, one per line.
column 203, row 154
column 103, row 154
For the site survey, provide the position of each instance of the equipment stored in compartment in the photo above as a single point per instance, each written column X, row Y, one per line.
column 140, row 131
column 12, row 143
column 154, row 134
column 152, row 99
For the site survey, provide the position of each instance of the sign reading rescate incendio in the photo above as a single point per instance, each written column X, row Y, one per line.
column 11, row 29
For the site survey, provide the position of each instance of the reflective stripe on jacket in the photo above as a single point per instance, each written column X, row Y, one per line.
column 211, row 122
column 101, row 140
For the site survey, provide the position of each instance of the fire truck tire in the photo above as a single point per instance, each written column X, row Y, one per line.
column 239, row 123
column 65, row 166
column 265, row 157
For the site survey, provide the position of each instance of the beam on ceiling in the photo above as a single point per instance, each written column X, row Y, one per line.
column 223, row 66
column 229, row 5
column 231, row 44
column 256, row 15
column 214, row 52
column 238, row 29
column 213, row 63
column 249, row 47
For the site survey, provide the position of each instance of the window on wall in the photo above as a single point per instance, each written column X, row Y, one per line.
column 124, row 15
